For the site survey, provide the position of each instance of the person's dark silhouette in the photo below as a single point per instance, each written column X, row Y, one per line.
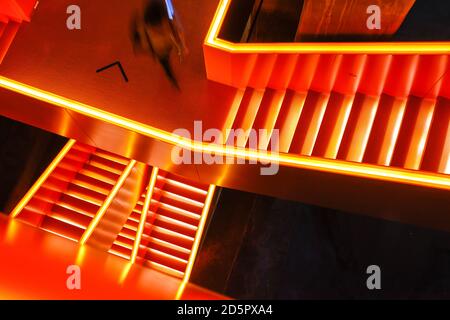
column 157, row 33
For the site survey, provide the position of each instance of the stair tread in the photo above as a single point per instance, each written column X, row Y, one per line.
column 163, row 268
column 172, row 233
column 94, row 172
column 83, row 197
column 99, row 164
column 182, row 185
column 68, row 206
column 111, row 156
column 61, row 229
column 168, row 245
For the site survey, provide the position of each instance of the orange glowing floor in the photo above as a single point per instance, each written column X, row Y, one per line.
column 34, row 265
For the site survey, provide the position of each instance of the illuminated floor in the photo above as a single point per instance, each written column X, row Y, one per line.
column 34, row 265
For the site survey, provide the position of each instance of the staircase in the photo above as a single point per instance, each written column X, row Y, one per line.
column 170, row 227
column 12, row 14
column 388, row 110
column 376, row 103
column 81, row 180
column 74, row 191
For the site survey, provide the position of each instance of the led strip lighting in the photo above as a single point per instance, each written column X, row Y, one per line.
column 101, row 212
column 145, row 208
column 322, row 47
column 439, row 181
column 197, row 239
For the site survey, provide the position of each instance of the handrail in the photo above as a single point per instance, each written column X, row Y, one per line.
column 143, row 219
column 102, row 210
column 198, row 236
column 440, row 181
column 252, row 21
column 422, row 47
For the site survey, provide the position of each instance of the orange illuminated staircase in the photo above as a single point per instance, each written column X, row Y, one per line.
column 377, row 103
column 73, row 194
column 12, row 14
column 382, row 109
column 74, row 191
column 169, row 226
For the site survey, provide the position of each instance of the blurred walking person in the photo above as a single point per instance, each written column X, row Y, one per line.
column 156, row 31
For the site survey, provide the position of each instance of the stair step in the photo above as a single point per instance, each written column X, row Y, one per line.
column 180, row 189
column 63, row 206
column 105, row 186
column 162, row 210
column 135, row 216
column 83, row 147
column 77, row 155
column 166, row 259
column 131, row 225
column 70, row 217
column 120, row 251
column 61, row 229
column 77, row 204
column 124, row 242
column 163, row 268
column 171, row 237
column 92, row 184
column 99, row 174
column 169, row 248
column 106, row 165
column 186, row 187
column 83, row 195
column 173, row 225
column 128, row 233
column 179, row 201
column 72, row 162
column 111, row 156
column 175, row 213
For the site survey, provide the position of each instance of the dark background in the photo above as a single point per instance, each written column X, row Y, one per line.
column 25, row 152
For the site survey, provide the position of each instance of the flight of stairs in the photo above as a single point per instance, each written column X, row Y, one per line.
column 388, row 110
column 81, row 179
column 12, row 14
column 170, row 228
column 70, row 197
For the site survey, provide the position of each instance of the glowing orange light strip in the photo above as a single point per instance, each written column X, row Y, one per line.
column 102, row 210
column 320, row 47
column 326, row 165
column 148, row 198
column 198, row 237
column 30, row 194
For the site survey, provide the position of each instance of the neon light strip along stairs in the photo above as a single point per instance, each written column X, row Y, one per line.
column 170, row 225
column 73, row 192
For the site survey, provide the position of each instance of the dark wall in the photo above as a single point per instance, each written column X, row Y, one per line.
column 259, row 247
column 277, row 21
column 428, row 20
column 25, row 152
